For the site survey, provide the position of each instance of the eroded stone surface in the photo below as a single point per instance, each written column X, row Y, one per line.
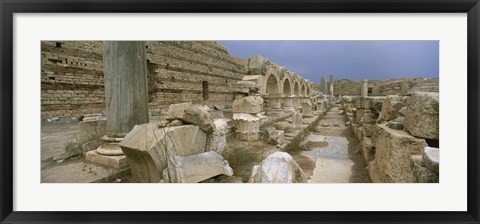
column 431, row 158
column 276, row 137
column 422, row 115
column 391, row 107
column 148, row 147
column 200, row 117
column 393, row 149
column 176, row 111
column 248, row 105
column 421, row 173
column 195, row 168
column 278, row 167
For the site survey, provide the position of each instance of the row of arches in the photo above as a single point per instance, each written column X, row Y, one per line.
column 277, row 79
column 286, row 85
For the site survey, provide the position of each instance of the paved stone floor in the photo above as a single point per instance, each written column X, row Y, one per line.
column 338, row 161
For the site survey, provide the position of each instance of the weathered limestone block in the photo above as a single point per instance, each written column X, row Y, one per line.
column 278, row 167
column 422, row 115
column 431, row 158
column 248, row 105
column 393, row 149
column 193, row 169
column 175, row 122
column 176, row 111
column 307, row 108
column 147, row 148
column 217, row 140
column 368, row 130
column 248, row 126
column 297, row 121
column 282, row 125
column 421, row 173
column 391, row 107
column 376, row 103
column 359, row 114
column 396, row 124
column 249, row 84
column 368, row 149
column 362, row 102
column 200, row 117
column 257, row 65
column 320, row 106
column 276, row 137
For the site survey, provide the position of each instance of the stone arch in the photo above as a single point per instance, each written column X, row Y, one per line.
column 296, row 89
column 287, row 87
column 271, row 85
column 305, row 93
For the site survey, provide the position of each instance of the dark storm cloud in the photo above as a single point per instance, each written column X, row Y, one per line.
column 354, row 60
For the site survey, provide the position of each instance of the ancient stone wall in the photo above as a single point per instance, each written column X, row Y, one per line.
column 404, row 86
column 408, row 86
column 179, row 71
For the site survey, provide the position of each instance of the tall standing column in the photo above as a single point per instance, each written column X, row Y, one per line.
column 364, row 88
column 331, row 85
column 125, row 78
column 126, row 92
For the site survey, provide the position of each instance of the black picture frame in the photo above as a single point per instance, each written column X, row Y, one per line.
column 9, row 7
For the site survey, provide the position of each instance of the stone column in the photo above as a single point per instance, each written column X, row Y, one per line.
column 364, row 88
column 331, row 85
column 275, row 102
column 325, row 88
column 126, row 95
column 288, row 104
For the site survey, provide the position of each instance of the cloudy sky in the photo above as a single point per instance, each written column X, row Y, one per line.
column 354, row 60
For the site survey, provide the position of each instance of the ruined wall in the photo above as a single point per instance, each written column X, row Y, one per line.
column 404, row 86
column 346, row 87
column 179, row 71
column 408, row 86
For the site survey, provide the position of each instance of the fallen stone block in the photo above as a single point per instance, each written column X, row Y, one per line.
column 276, row 137
column 391, row 107
column 278, row 167
column 422, row 115
column 393, row 149
column 431, row 158
column 195, row 168
column 217, row 140
column 176, row 122
column 249, row 105
column 397, row 125
column 175, row 111
column 199, row 117
column 297, row 120
column 421, row 173
column 376, row 104
column 148, row 147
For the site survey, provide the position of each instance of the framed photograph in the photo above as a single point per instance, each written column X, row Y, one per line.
column 237, row 111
